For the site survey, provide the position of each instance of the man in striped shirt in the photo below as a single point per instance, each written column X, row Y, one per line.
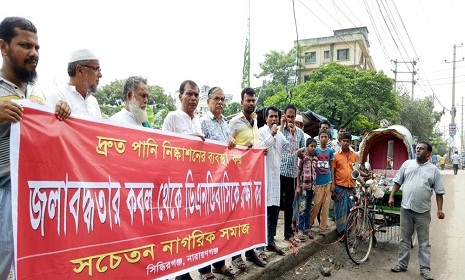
column 289, row 168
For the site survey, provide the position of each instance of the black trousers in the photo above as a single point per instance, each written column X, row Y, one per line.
column 217, row 265
column 272, row 219
column 288, row 185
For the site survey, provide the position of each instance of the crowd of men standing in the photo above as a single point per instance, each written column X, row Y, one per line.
column 300, row 168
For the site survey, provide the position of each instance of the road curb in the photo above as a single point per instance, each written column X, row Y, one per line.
column 279, row 265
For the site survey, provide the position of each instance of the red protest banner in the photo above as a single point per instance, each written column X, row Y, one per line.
column 110, row 202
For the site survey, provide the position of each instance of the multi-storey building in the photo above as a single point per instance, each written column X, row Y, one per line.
column 348, row 46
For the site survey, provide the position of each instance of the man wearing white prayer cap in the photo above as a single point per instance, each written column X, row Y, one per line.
column 84, row 75
column 299, row 121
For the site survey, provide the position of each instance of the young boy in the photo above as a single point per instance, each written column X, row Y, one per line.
column 323, row 184
column 305, row 184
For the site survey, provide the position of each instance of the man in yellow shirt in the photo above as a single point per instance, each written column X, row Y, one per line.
column 442, row 162
column 244, row 129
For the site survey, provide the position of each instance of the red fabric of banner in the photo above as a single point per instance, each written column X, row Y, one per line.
column 110, row 202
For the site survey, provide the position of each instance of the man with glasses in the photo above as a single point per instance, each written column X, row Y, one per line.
column 84, row 75
column 215, row 127
column 136, row 95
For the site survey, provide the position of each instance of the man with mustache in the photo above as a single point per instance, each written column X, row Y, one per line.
column 84, row 74
column 272, row 137
column 215, row 127
column 136, row 95
column 244, row 129
column 418, row 178
column 184, row 119
column 19, row 46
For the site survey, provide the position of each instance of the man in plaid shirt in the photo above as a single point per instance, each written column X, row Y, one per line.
column 289, row 169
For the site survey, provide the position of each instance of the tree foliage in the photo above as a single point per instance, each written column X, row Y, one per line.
column 358, row 100
column 231, row 109
column 111, row 99
column 355, row 99
column 278, row 73
column 419, row 117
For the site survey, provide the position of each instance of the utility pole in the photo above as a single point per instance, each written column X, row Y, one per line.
column 246, row 66
column 462, row 144
column 454, row 110
column 413, row 72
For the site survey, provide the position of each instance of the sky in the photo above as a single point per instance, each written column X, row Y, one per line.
column 171, row 41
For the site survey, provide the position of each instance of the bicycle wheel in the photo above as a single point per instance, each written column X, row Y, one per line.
column 359, row 236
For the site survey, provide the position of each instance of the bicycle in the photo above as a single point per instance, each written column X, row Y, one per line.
column 359, row 230
column 368, row 217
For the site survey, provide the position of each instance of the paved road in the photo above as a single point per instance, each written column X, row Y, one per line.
column 447, row 241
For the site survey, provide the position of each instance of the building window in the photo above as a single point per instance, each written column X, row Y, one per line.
column 310, row 57
column 326, row 55
column 306, row 78
column 343, row 54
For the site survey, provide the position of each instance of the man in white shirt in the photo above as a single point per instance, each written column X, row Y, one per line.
column 455, row 162
column 184, row 120
column 136, row 95
column 336, row 144
column 84, row 72
column 271, row 137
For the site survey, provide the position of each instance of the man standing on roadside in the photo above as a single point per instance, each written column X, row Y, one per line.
column 215, row 127
column 244, row 129
column 290, row 169
column 84, row 74
column 136, row 96
column 343, row 182
column 272, row 138
column 19, row 45
column 455, row 162
column 418, row 178
column 299, row 121
column 337, row 143
column 185, row 121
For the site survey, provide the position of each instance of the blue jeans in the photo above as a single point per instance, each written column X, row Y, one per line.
column 410, row 220
column 304, row 216
column 6, row 234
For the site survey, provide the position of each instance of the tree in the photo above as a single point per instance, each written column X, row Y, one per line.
column 347, row 97
column 232, row 108
column 278, row 71
column 111, row 99
column 419, row 117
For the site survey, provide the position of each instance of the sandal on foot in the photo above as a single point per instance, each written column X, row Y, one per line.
column 208, row 276
column 228, row 271
column 309, row 234
column 276, row 249
column 262, row 255
column 294, row 242
column 256, row 260
column 239, row 263
column 301, row 237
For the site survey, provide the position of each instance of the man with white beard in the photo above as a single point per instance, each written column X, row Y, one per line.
column 136, row 94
